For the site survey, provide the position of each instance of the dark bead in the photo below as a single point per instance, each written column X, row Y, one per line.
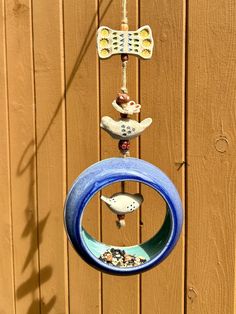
column 121, row 217
column 124, row 145
column 122, row 98
column 124, row 57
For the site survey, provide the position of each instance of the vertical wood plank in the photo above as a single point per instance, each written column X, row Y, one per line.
column 51, row 162
column 82, row 109
column 7, row 302
column 120, row 294
column 211, row 157
column 22, row 149
column 162, row 98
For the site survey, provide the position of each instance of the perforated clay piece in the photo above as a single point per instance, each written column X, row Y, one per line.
column 111, row 42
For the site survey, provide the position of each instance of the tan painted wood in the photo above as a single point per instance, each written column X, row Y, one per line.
column 51, row 154
column 162, row 98
column 211, row 157
column 82, row 109
column 7, row 301
column 33, row 246
column 120, row 294
column 22, row 148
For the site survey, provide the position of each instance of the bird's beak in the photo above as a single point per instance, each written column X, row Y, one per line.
column 140, row 198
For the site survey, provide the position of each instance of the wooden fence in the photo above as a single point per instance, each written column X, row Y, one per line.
column 53, row 92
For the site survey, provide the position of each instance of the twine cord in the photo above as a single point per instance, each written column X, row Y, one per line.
column 124, row 21
column 124, row 77
column 124, row 12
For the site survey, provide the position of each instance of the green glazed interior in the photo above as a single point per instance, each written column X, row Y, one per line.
column 148, row 249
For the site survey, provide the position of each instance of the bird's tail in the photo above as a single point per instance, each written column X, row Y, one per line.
column 146, row 122
column 105, row 199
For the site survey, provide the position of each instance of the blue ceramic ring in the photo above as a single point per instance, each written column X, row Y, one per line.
column 104, row 173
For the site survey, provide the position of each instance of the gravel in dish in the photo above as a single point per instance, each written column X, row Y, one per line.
column 120, row 258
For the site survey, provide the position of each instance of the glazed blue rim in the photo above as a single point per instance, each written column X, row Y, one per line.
column 107, row 172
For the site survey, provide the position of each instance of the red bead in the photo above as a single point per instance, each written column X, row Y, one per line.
column 122, row 98
column 124, row 57
column 124, row 145
column 121, row 217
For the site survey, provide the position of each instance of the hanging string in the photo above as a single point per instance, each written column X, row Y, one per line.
column 124, row 77
column 124, row 12
column 124, row 59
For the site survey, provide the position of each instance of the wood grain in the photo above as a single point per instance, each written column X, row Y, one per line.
column 47, row 49
column 51, row 162
column 211, row 156
column 7, row 300
column 22, row 155
column 120, row 294
column 162, row 97
column 83, row 148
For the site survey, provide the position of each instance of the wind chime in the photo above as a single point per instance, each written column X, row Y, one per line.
column 140, row 257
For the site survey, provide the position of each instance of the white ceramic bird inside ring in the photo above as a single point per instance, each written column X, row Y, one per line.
column 123, row 203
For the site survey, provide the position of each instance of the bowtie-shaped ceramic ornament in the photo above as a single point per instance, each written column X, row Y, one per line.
column 139, row 43
column 124, row 129
column 123, row 203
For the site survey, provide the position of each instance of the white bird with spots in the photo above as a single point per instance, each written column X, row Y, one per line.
column 123, row 203
column 124, row 129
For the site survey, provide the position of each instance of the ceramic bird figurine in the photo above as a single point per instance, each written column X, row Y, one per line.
column 127, row 108
column 123, row 203
column 123, row 104
column 124, row 129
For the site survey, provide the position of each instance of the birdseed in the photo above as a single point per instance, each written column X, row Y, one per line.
column 120, row 258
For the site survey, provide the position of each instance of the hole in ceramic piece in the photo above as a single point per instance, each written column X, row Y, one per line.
column 105, row 52
column 105, row 32
column 153, row 211
column 147, row 43
column 144, row 33
column 104, row 43
column 146, row 53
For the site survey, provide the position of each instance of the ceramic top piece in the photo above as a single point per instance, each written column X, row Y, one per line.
column 111, row 42
column 127, row 108
column 124, row 129
column 123, row 203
